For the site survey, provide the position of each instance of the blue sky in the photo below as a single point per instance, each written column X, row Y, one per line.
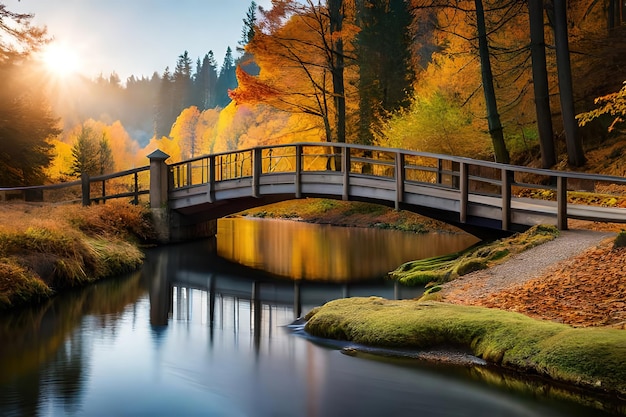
column 138, row 37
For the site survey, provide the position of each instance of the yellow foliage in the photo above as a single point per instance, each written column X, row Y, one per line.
column 61, row 165
column 164, row 144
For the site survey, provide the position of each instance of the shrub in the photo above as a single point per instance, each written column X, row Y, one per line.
column 620, row 240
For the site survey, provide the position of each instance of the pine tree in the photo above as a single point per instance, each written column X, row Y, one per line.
column 247, row 33
column 85, row 159
column 26, row 121
column 211, row 82
column 164, row 115
column 106, row 163
column 182, row 87
column 227, row 79
column 386, row 74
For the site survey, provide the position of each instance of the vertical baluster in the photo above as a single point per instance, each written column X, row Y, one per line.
column 561, row 202
column 345, row 165
column 464, row 191
column 136, row 196
column 298, row 179
column 256, row 170
column 400, row 176
column 506, row 198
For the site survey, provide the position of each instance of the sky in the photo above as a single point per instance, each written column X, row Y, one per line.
column 139, row 37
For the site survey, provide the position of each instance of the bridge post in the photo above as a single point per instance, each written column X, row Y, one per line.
column 211, row 178
column 159, row 182
column 85, row 186
column 464, row 191
column 345, row 164
column 298, row 179
column 561, row 202
column 400, row 177
column 506, row 198
column 257, row 170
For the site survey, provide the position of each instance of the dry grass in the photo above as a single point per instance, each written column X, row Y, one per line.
column 44, row 248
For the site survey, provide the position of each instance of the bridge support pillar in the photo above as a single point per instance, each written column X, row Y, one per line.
column 159, row 181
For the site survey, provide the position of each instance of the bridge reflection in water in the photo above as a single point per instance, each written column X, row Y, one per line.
column 252, row 301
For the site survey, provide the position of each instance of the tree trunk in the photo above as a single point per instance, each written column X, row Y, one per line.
column 335, row 8
column 575, row 153
column 540, row 83
column 493, row 118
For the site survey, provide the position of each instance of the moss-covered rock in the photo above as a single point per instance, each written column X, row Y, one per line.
column 593, row 358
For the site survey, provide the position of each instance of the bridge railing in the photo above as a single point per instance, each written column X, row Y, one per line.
column 467, row 176
column 398, row 168
column 131, row 185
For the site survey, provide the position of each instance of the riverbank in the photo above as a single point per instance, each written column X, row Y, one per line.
column 350, row 214
column 571, row 293
column 589, row 358
column 45, row 249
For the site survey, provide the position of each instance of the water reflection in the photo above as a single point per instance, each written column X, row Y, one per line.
column 322, row 252
column 194, row 335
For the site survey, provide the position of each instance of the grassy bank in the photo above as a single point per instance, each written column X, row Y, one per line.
column 593, row 358
column 445, row 268
column 44, row 249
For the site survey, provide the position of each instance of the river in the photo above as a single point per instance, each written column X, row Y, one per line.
column 192, row 333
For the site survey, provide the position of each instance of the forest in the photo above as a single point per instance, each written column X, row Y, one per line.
column 537, row 82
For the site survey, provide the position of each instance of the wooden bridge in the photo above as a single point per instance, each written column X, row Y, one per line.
column 466, row 192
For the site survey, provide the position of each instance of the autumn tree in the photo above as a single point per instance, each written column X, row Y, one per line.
column 184, row 131
column 611, row 105
column 303, row 60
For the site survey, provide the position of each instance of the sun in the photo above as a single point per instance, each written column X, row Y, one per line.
column 61, row 59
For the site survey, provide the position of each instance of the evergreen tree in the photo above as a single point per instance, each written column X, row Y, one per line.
column 26, row 124
column 249, row 23
column 85, row 153
column 227, row 79
column 26, row 121
column 386, row 74
column 91, row 155
column 106, row 163
column 204, row 82
column 210, row 65
column 246, row 61
column 182, row 88
column 164, row 116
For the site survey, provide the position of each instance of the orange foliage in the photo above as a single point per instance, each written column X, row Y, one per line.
column 588, row 290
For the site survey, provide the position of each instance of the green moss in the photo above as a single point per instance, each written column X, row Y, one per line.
column 588, row 357
column 448, row 267
column 620, row 240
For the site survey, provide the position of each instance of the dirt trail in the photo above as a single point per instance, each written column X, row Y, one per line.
column 577, row 279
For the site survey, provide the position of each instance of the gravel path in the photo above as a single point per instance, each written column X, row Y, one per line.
column 522, row 267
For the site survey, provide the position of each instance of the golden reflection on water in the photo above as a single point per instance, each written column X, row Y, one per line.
column 327, row 253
